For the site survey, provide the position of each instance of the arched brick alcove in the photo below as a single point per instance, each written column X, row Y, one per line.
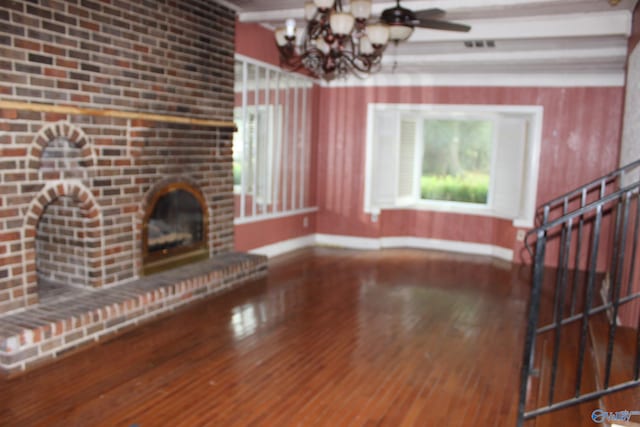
column 61, row 150
column 63, row 238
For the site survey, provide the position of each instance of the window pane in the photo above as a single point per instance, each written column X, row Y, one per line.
column 238, row 136
column 237, row 150
column 457, row 160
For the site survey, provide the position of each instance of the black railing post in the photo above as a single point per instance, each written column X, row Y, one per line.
column 617, row 284
column 591, row 280
column 561, row 287
column 576, row 265
column 532, row 323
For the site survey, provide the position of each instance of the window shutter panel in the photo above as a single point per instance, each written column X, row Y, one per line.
column 407, row 160
column 508, row 169
column 384, row 164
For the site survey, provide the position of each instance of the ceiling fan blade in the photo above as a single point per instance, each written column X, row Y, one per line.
column 429, row 13
column 442, row 25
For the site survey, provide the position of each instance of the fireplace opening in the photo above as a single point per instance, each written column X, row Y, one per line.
column 175, row 229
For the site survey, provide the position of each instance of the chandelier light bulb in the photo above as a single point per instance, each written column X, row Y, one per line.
column 280, row 37
column 378, row 34
column 290, row 28
column 398, row 33
column 361, row 9
column 366, row 48
column 341, row 23
column 323, row 46
column 310, row 10
column 324, row 4
column 300, row 36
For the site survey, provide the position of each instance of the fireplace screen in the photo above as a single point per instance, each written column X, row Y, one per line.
column 175, row 229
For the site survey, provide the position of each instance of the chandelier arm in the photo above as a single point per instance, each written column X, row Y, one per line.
column 289, row 60
column 355, row 60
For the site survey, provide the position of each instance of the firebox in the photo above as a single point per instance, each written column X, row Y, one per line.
column 174, row 229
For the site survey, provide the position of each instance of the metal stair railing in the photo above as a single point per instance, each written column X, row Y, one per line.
column 583, row 236
column 598, row 188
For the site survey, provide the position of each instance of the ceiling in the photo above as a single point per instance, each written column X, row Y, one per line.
column 525, row 36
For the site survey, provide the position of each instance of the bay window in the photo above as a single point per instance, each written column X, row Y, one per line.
column 463, row 159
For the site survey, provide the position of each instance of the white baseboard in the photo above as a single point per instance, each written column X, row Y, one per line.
column 285, row 246
column 369, row 243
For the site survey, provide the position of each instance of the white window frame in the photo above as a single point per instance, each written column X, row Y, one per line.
column 290, row 152
column 534, row 115
column 273, row 116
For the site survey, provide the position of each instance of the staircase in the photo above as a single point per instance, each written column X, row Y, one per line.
column 583, row 330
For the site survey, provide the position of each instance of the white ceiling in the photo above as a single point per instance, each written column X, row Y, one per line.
column 531, row 36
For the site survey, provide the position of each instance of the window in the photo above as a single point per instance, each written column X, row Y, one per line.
column 271, row 147
column 456, row 160
column 462, row 159
column 255, row 166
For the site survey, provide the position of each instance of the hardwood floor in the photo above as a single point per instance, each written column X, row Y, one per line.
column 332, row 337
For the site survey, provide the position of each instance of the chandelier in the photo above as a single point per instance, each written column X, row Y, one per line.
column 336, row 43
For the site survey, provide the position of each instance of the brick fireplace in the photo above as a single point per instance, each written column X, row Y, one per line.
column 104, row 106
column 174, row 227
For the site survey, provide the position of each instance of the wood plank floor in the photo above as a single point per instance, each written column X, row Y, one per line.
column 332, row 337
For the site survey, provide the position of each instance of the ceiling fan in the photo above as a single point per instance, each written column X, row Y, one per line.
column 402, row 21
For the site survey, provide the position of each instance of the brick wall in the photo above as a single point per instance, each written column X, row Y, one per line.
column 61, row 243
column 160, row 57
column 156, row 56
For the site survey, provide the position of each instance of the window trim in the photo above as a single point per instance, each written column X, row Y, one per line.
column 274, row 115
column 290, row 88
column 534, row 113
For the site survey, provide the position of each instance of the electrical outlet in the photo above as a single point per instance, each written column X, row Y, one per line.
column 305, row 222
column 520, row 235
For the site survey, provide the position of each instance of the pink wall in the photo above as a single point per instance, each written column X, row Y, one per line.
column 437, row 225
column 256, row 42
column 256, row 234
column 581, row 138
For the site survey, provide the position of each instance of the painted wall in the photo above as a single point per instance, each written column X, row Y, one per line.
column 257, row 42
column 580, row 141
column 262, row 233
column 581, row 137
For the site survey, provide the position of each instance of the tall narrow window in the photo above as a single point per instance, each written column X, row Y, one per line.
column 258, row 159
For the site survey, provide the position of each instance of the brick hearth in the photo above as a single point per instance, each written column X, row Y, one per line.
column 70, row 320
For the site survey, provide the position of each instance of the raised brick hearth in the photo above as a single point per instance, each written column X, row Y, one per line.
column 139, row 97
column 67, row 321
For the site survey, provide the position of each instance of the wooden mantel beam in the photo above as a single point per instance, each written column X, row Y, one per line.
column 65, row 109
